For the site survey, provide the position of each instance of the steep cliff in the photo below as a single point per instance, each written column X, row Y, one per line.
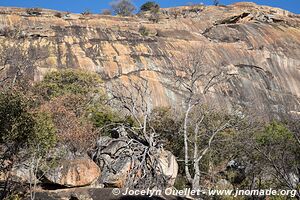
column 260, row 44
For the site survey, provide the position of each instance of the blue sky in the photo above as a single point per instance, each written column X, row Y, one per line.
column 96, row 6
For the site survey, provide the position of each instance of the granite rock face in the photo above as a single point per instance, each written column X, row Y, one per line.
column 73, row 173
column 260, row 44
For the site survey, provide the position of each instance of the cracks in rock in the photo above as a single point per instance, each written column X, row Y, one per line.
column 134, row 72
column 233, row 19
column 228, row 23
column 266, row 76
column 249, row 66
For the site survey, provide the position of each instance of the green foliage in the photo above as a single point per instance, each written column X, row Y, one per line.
column 16, row 123
column 143, row 31
column 63, row 82
column 180, row 182
column 123, row 7
column 107, row 119
column 167, row 126
column 21, row 128
column 150, row 6
column 44, row 137
column 274, row 133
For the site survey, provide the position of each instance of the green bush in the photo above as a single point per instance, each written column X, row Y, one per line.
column 44, row 137
column 167, row 125
column 150, row 6
column 144, row 31
column 20, row 128
column 68, row 81
column 106, row 119
column 273, row 134
column 16, row 123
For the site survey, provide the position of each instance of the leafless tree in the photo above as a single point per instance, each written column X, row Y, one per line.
column 131, row 95
column 192, row 79
column 134, row 96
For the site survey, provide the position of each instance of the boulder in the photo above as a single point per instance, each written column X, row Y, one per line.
column 23, row 174
column 129, row 162
column 168, row 166
column 73, row 173
column 117, row 174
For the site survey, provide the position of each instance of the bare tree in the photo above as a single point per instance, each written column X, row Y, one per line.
column 131, row 95
column 135, row 98
column 192, row 79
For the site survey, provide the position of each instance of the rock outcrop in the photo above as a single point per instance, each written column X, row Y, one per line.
column 97, row 194
column 127, row 162
column 261, row 46
column 73, row 173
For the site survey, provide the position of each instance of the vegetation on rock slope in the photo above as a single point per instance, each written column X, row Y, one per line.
column 69, row 108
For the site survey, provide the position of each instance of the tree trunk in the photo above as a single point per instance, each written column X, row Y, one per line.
column 196, row 179
column 186, row 145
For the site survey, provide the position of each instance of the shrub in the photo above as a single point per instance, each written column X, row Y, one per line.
column 22, row 129
column 216, row 2
column 73, row 129
column 167, row 125
column 105, row 117
column 71, row 96
column 274, row 133
column 58, row 14
column 87, row 12
column 143, row 31
column 123, row 7
column 106, row 12
column 63, row 82
column 16, row 123
column 34, row 11
column 107, row 120
column 150, row 6
column 44, row 137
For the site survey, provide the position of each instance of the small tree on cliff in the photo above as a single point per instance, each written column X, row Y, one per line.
column 123, row 7
column 216, row 2
column 150, row 6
